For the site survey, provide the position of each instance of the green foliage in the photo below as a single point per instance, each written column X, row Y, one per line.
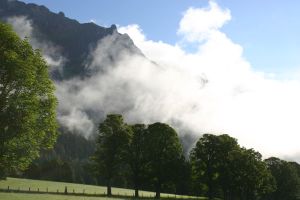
column 67, row 161
column 136, row 156
column 209, row 158
column 27, row 103
column 287, row 179
column 54, row 169
column 112, row 148
column 229, row 171
column 250, row 178
column 163, row 153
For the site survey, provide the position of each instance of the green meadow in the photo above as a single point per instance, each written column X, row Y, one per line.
column 72, row 188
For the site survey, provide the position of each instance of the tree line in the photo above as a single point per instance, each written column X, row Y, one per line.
column 151, row 156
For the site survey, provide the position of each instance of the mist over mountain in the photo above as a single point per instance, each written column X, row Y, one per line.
column 93, row 68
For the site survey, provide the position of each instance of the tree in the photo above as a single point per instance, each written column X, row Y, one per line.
column 111, row 148
column 205, row 160
column 136, row 159
column 287, row 179
column 27, row 103
column 251, row 178
column 225, row 146
column 164, row 153
column 224, row 166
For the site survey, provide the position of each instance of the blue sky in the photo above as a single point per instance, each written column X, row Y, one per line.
column 267, row 30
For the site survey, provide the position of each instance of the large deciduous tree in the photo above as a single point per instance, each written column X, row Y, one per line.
column 164, row 153
column 251, row 178
column 136, row 156
column 224, row 166
column 112, row 148
column 27, row 103
column 205, row 158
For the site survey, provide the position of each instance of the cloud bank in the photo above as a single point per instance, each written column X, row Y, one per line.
column 213, row 90
column 261, row 112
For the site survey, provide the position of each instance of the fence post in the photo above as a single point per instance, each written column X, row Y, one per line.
column 57, row 191
column 73, row 191
column 8, row 188
column 29, row 189
column 47, row 189
column 66, row 190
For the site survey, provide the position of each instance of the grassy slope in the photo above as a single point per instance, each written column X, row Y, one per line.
column 24, row 184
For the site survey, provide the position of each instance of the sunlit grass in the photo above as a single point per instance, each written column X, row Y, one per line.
column 51, row 186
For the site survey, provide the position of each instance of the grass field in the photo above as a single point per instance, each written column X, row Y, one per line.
column 21, row 196
column 43, row 186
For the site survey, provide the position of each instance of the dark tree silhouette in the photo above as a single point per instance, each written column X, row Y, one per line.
column 111, row 148
column 164, row 153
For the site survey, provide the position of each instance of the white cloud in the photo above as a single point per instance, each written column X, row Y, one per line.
column 260, row 111
column 93, row 21
column 198, row 24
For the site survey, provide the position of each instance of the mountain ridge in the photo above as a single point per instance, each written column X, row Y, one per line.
column 75, row 39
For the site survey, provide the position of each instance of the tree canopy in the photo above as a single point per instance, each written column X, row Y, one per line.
column 27, row 103
column 163, row 153
column 286, row 177
column 111, row 148
column 228, row 171
column 136, row 156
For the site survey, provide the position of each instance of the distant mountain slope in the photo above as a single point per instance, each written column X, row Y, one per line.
column 74, row 39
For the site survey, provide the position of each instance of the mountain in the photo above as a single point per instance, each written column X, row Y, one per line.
column 75, row 40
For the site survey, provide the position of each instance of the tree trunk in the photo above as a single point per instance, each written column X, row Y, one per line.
column 157, row 195
column 157, row 192
column 108, row 188
column 136, row 185
column 136, row 193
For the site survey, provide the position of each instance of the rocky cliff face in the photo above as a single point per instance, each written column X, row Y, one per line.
column 75, row 40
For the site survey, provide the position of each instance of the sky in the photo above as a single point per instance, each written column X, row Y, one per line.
column 268, row 30
column 222, row 67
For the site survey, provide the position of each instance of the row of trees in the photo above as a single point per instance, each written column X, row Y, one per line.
column 152, row 157
column 153, row 153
